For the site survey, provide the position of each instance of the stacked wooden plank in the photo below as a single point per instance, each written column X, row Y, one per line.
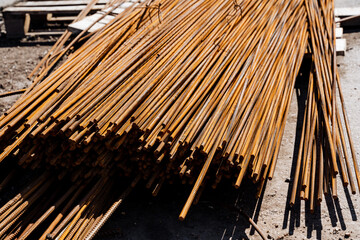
column 98, row 21
column 22, row 18
column 349, row 16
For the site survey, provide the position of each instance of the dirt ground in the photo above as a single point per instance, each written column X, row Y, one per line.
column 17, row 60
column 215, row 217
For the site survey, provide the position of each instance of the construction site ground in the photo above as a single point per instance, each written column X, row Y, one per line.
column 215, row 217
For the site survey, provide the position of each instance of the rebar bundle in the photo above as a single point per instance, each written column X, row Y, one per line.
column 193, row 90
column 323, row 149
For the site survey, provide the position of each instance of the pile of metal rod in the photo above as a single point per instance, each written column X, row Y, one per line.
column 196, row 90
column 323, row 150
column 68, row 211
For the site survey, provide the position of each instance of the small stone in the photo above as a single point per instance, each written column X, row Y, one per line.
column 347, row 235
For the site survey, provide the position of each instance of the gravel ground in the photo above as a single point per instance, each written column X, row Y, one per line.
column 17, row 60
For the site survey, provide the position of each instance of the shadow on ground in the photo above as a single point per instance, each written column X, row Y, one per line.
column 215, row 216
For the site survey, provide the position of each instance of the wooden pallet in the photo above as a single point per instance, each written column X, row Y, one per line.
column 18, row 18
column 96, row 18
column 352, row 14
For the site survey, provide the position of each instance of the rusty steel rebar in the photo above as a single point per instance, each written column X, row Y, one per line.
column 196, row 91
